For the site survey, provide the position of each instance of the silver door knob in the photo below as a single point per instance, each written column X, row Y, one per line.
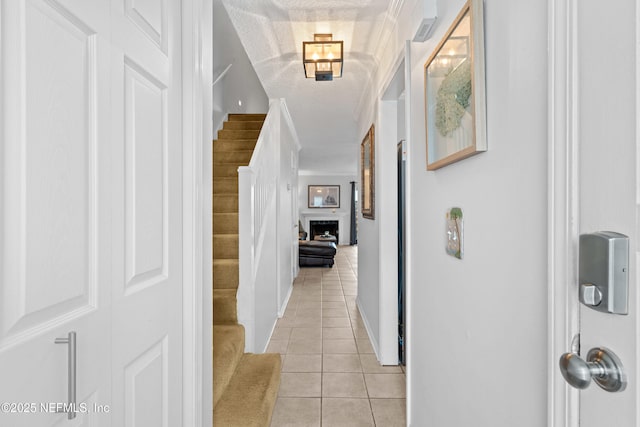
column 602, row 365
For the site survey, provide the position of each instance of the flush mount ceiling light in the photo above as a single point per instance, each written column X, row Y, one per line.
column 322, row 58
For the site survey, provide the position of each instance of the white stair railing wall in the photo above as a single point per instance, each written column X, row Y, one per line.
column 267, row 190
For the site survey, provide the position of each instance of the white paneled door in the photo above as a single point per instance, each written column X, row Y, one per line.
column 146, row 288
column 90, row 211
column 595, row 186
column 608, row 196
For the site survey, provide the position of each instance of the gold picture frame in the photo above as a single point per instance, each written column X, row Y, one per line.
column 454, row 91
column 367, row 171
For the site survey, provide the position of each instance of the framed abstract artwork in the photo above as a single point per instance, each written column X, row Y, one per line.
column 454, row 87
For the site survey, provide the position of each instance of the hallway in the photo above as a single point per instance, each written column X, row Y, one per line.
column 330, row 375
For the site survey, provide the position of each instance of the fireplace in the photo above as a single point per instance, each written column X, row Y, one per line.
column 319, row 227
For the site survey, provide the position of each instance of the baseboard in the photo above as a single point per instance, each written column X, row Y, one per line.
column 367, row 326
column 273, row 327
column 280, row 314
column 283, row 307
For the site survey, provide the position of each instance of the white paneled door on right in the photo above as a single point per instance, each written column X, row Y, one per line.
column 595, row 183
column 90, row 211
column 608, row 186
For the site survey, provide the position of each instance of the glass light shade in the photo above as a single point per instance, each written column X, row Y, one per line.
column 323, row 54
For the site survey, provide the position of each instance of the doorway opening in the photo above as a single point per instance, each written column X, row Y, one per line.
column 392, row 273
column 402, row 160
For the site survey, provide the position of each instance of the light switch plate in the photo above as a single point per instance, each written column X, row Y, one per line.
column 455, row 233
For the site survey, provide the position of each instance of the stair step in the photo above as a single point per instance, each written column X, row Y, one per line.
column 233, row 144
column 225, row 171
column 245, row 386
column 225, row 223
column 228, row 168
column 225, row 203
column 240, row 157
column 243, row 125
column 238, row 134
column 225, row 307
column 235, row 165
column 247, row 117
column 223, row 185
column 228, row 349
column 225, row 246
column 249, row 398
column 225, row 274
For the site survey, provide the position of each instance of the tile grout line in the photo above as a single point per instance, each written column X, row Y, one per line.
column 366, row 388
column 324, row 281
column 321, row 351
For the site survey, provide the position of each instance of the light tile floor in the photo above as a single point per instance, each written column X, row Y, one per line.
column 330, row 374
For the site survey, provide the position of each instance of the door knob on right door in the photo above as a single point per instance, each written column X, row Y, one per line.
column 602, row 365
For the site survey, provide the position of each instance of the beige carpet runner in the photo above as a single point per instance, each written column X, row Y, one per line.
column 245, row 386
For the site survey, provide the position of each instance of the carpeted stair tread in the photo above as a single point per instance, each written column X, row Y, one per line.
column 245, row 386
column 225, row 170
column 225, row 310
column 242, row 125
column 228, row 349
column 240, row 157
column 225, row 203
column 246, row 117
column 254, row 385
column 225, row 185
column 225, row 223
column 233, row 144
column 235, row 164
column 225, row 274
column 225, row 246
column 238, row 134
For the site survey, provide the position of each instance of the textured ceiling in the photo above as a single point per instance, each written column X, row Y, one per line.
column 324, row 113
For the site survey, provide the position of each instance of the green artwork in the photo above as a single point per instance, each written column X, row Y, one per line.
column 453, row 98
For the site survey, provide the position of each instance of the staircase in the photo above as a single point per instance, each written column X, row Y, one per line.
column 245, row 385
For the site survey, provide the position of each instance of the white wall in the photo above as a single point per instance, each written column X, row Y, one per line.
column 267, row 195
column 287, row 213
column 378, row 292
column 477, row 327
column 241, row 82
column 368, row 299
column 341, row 214
column 266, row 283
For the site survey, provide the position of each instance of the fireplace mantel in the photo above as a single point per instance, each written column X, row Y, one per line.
column 315, row 215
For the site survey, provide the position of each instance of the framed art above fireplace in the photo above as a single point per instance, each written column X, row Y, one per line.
column 324, row 196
